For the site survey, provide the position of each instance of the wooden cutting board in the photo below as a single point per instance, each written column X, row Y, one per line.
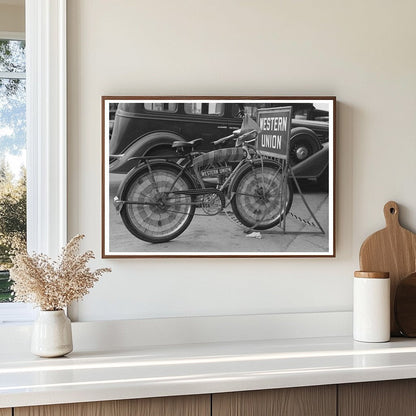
column 405, row 306
column 392, row 250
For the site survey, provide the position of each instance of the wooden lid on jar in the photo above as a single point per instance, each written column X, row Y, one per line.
column 372, row 275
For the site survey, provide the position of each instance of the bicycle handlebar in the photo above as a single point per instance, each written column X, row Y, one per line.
column 235, row 135
column 247, row 135
column 223, row 139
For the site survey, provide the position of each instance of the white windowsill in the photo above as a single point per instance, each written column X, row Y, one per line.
column 16, row 313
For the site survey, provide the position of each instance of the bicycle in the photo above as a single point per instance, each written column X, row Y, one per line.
column 157, row 200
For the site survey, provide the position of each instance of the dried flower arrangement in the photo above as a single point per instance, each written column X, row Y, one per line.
column 53, row 285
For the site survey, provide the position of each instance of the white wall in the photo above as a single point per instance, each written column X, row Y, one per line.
column 361, row 51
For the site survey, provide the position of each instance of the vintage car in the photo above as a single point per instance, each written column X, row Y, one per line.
column 150, row 128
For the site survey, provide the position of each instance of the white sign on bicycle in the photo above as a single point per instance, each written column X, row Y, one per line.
column 274, row 134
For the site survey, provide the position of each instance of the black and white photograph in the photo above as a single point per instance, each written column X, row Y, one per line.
column 218, row 176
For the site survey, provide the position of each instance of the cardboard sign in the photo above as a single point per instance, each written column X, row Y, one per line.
column 274, row 134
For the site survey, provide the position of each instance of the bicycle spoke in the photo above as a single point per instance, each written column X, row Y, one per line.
column 258, row 196
column 152, row 177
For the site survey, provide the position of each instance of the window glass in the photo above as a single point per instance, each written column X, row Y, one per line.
column 238, row 110
column 12, row 56
column 210, row 109
column 252, row 110
column 166, row 107
column 12, row 156
column 301, row 113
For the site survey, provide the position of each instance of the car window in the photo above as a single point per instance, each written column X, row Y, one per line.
column 165, row 107
column 210, row 109
column 238, row 110
column 251, row 110
column 301, row 113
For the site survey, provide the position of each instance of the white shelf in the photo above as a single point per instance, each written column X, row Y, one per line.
column 150, row 371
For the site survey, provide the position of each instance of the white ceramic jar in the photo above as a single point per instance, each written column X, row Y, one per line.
column 371, row 309
column 52, row 334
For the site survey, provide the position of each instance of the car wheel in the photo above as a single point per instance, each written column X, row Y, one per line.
column 301, row 147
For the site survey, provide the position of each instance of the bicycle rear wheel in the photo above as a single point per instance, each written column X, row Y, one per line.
column 156, row 209
column 260, row 200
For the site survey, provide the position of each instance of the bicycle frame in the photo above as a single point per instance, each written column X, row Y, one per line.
column 186, row 165
column 166, row 194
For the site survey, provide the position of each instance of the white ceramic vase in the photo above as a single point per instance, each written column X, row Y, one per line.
column 52, row 334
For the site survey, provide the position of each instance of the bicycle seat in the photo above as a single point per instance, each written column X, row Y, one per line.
column 187, row 145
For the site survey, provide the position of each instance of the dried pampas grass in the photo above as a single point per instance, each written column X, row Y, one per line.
column 53, row 285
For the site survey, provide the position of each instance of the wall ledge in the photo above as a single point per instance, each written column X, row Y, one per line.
column 125, row 334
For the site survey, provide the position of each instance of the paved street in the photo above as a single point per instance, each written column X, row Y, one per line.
column 219, row 234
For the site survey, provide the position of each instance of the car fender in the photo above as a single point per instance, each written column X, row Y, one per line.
column 142, row 146
column 297, row 131
column 314, row 165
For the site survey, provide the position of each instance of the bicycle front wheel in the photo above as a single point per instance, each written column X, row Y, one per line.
column 157, row 208
column 260, row 199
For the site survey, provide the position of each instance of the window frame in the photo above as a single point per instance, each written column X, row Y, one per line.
column 205, row 114
column 46, row 125
column 46, row 138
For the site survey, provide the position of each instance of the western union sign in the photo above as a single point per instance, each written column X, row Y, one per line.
column 274, row 134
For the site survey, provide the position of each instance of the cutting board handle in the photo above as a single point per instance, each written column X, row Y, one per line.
column 391, row 214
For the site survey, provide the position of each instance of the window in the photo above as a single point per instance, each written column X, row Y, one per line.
column 210, row 109
column 12, row 155
column 166, row 107
column 46, row 135
column 238, row 110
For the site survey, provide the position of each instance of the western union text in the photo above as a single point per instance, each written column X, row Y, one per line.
column 273, row 123
column 272, row 141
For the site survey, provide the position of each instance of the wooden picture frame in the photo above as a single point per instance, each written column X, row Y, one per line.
column 190, row 176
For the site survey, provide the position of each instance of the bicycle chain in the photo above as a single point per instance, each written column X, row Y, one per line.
column 231, row 216
column 303, row 220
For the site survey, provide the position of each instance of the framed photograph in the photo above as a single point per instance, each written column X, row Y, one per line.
column 218, row 176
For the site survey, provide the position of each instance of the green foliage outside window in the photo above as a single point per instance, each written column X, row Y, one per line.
column 12, row 148
column 5, row 292
column 12, row 223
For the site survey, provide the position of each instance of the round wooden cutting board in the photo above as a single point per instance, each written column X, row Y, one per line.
column 392, row 250
column 405, row 306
